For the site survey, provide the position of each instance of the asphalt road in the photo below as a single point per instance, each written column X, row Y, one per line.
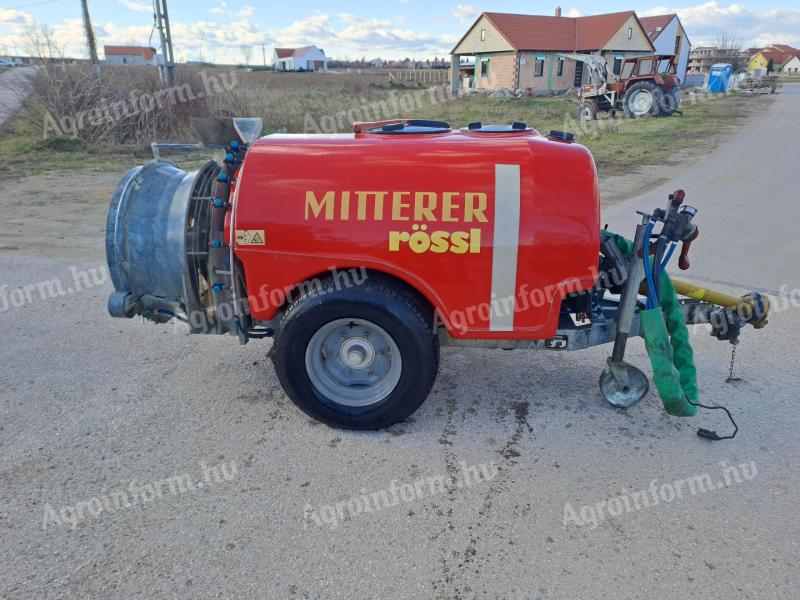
column 99, row 412
column 14, row 85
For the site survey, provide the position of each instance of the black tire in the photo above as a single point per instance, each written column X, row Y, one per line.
column 380, row 300
column 670, row 102
column 642, row 87
column 587, row 111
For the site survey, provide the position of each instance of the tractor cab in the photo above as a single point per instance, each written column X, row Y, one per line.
column 659, row 68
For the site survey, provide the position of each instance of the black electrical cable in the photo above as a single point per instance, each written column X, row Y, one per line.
column 172, row 315
column 713, row 435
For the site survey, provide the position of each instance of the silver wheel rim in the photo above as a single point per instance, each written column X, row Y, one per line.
column 627, row 396
column 642, row 102
column 586, row 113
column 353, row 362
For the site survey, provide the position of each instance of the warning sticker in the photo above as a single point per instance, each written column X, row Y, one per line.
column 250, row 237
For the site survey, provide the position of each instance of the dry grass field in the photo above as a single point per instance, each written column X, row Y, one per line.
column 72, row 121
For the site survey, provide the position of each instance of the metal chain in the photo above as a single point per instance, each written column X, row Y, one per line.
column 731, row 378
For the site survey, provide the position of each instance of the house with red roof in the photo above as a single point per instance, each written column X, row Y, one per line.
column 307, row 58
column 523, row 52
column 131, row 55
column 669, row 37
column 772, row 59
column 792, row 66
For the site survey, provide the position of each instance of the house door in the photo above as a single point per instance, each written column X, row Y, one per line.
column 578, row 75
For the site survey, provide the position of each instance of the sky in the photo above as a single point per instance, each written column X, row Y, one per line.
column 227, row 31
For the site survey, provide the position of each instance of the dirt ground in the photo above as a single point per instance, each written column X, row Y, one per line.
column 92, row 407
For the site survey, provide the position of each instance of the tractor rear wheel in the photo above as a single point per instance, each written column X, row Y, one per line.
column 643, row 99
column 587, row 111
column 357, row 357
column 670, row 101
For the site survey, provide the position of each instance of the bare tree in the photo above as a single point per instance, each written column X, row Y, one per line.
column 247, row 52
column 729, row 51
column 39, row 43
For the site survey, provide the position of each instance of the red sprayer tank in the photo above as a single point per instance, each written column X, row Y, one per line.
column 361, row 254
column 472, row 219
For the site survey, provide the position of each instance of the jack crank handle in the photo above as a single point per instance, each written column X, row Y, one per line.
column 683, row 260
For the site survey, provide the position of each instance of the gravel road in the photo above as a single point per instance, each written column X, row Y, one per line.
column 138, row 462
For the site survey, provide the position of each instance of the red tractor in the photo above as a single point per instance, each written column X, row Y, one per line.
column 647, row 86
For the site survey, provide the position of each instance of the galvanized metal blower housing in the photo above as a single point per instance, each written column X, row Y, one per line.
column 157, row 240
column 160, row 230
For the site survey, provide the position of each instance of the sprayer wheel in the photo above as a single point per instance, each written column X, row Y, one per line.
column 624, row 396
column 362, row 356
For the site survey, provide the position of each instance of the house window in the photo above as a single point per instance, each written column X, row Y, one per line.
column 677, row 45
column 538, row 67
column 560, row 67
column 630, row 33
column 617, row 65
column 483, row 35
column 484, row 67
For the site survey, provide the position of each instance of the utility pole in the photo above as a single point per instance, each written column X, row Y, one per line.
column 264, row 54
column 162, row 24
column 90, row 42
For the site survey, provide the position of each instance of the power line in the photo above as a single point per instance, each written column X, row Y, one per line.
column 29, row 5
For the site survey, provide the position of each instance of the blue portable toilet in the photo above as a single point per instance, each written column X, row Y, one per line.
column 718, row 78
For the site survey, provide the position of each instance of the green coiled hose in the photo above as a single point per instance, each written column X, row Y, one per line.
column 667, row 342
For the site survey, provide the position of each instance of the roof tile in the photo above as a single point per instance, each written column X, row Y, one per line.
column 147, row 53
column 653, row 26
column 566, row 34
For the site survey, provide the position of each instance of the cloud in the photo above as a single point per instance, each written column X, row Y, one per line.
column 340, row 35
column 15, row 17
column 464, row 12
column 369, row 37
column 573, row 12
column 246, row 11
column 704, row 23
column 219, row 9
column 137, row 6
column 315, row 29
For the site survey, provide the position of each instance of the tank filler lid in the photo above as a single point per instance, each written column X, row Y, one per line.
column 514, row 127
column 402, row 126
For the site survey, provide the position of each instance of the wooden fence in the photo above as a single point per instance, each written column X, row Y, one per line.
column 429, row 76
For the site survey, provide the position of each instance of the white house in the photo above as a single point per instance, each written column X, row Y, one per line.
column 667, row 35
column 131, row 55
column 307, row 58
column 792, row 66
